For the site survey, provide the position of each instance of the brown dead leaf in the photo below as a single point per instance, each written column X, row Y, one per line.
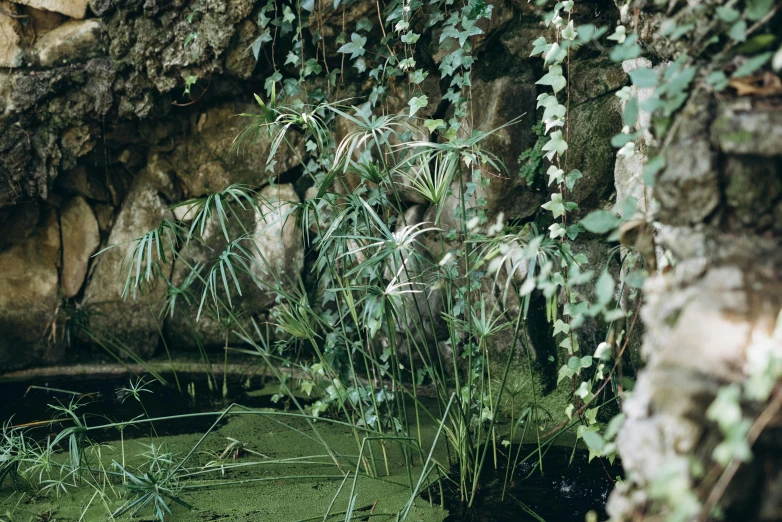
column 767, row 84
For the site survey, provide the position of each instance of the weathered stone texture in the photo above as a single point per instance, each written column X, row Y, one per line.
column 717, row 199
column 71, row 8
column 74, row 40
column 29, row 294
column 11, row 52
column 80, row 239
column 132, row 321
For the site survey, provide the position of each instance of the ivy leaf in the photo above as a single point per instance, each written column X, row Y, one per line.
column 554, row 111
column 555, row 174
column 553, row 78
column 601, row 221
column 364, row 25
column 593, row 441
column 591, row 415
column 540, row 46
column 308, row 5
column 556, row 206
column 620, row 140
column 643, row 77
column 312, row 66
column 757, row 9
column 555, row 145
column 752, row 65
column 565, row 373
column 738, row 31
column 561, row 326
column 651, row 169
column 573, row 231
column 417, row 103
column 470, row 30
column 432, row 125
column 717, row 80
column 418, row 76
column 571, row 178
column 604, row 288
column 620, row 35
column 287, row 15
column 569, row 32
column 727, row 13
column 556, row 231
column 554, row 55
column 407, row 63
column 292, row 58
column 627, row 50
column 268, row 84
column 589, row 32
column 410, row 38
column 262, row 39
column 355, row 46
column 726, row 410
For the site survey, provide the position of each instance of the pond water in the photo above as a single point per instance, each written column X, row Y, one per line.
column 109, row 399
column 277, row 470
column 567, row 488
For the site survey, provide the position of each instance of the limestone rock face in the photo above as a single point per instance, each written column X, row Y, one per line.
column 592, row 125
column 75, row 40
column 210, row 160
column 71, row 8
column 11, row 53
column 278, row 242
column 275, row 245
column 131, row 322
column 706, row 315
column 86, row 183
column 29, row 294
column 60, row 100
column 757, row 132
column 494, row 103
column 80, row 239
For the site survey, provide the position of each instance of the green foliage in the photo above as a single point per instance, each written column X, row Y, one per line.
column 371, row 329
column 531, row 160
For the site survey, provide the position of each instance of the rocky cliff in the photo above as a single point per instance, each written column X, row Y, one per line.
column 112, row 112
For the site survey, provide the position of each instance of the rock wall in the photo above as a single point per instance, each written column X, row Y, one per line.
column 97, row 141
column 711, row 307
column 717, row 202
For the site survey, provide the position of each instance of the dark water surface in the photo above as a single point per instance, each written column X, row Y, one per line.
column 103, row 402
column 565, row 491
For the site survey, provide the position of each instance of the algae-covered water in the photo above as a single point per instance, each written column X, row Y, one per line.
column 258, row 464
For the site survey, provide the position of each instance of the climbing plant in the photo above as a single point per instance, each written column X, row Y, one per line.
column 389, row 313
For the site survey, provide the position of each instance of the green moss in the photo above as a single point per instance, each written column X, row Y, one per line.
column 292, row 491
column 738, row 137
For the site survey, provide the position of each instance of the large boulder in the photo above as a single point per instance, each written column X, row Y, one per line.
column 75, row 40
column 495, row 102
column 592, row 124
column 72, row 8
column 211, row 157
column 80, row 239
column 11, row 53
column 131, row 322
column 275, row 245
column 29, row 294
